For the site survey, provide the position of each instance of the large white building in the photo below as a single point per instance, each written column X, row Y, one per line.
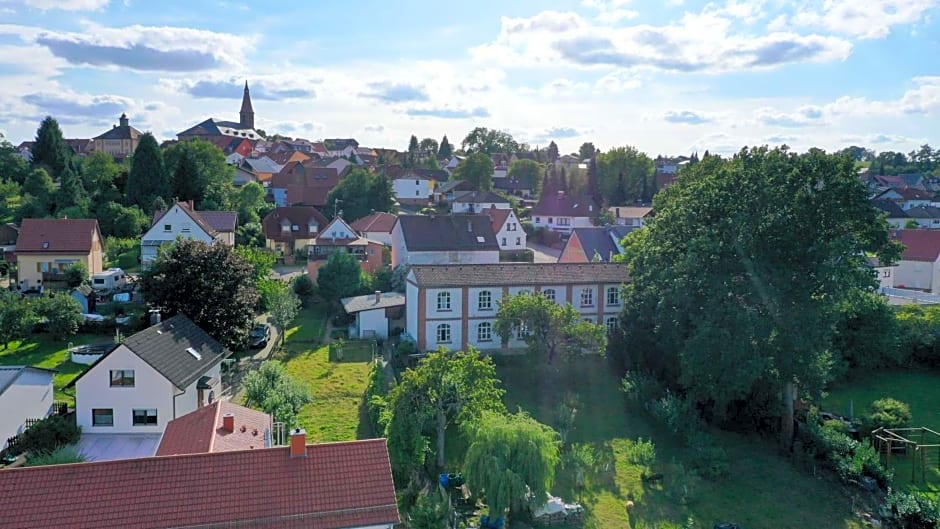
column 456, row 306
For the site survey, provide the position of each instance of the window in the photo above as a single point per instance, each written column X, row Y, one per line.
column 102, row 417
column 485, row 300
column 443, row 301
column 549, row 294
column 518, row 241
column 294, row 227
column 564, row 221
column 145, row 417
column 549, row 220
column 611, row 325
column 443, row 333
column 522, row 330
column 167, row 227
column 587, row 297
column 485, row 332
column 886, row 273
column 417, row 183
column 417, row 192
column 538, row 220
column 613, row 296
column 504, row 241
column 123, row 378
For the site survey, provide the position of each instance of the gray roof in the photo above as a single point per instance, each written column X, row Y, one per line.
column 262, row 165
column 482, row 197
column 511, row 274
column 510, row 184
column 892, row 208
column 454, row 185
column 598, row 241
column 120, row 132
column 9, row 374
column 432, row 233
column 163, row 347
column 924, row 212
column 220, row 220
column 356, row 304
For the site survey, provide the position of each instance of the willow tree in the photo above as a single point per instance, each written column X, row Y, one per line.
column 511, row 460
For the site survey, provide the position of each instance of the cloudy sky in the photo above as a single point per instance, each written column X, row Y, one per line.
column 668, row 76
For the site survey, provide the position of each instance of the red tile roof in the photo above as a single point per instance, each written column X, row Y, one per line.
column 497, row 217
column 337, row 485
column 306, row 183
column 376, row 221
column 203, row 430
column 57, row 236
column 920, row 245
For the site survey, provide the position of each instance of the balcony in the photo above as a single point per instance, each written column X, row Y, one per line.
column 322, row 253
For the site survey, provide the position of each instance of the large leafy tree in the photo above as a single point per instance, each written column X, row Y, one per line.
column 62, row 313
column 734, row 286
column 430, row 145
column 284, row 305
column 211, row 187
column 587, row 151
column 476, row 169
column 273, row 390
column 489, row 141
column 16, row 317
column 13, row 168
column 250, row 202
column 340, row 277
column 445, row 150
column 99, row 177
column 38, row 195
column 50, row 150
column 511, row 460
column 548, row 329
column 187, row 182
column 528, row 171
column 211, row 284
column 71, row 199
column 625, row 175
column 445, row 388
column 362, row 192
column 148, row 180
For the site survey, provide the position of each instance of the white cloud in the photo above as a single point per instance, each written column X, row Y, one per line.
column 63, row 5
column 687, row 117
column 868, row 19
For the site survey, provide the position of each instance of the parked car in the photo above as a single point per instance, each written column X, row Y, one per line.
column 259, row 336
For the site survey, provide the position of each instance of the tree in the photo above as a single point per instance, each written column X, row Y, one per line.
column 429, row 512
column 548, row 329
column 120, row 221
column 445, row 150
column 212, row 187
column 412, row 151
column 62, row 314
column 250, row 201
column 187, row 182
column 13, row 168
column 429, row 145
column 511, row 460
column 362, row 192
column 76, row 274
column 250, row 234
column 476, row 169
column 552, row 152
column 50, row 150
column 16, row 317
column 625, row 175
column 272, row 390
column 71, row 194
column 38, row 193
column 489, row 141
column 99, row 177
column 211, row 284
column 445, row 388
column 148, row 180
column 527, row 171
column 284, row 305
column 734, row 286
column 303, row 286
column 340, row 277
column 587, row 151
column 48, row 435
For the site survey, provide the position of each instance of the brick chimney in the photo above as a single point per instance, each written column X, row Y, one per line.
column 298, row 443
column 228, row 422
column 378, row 296
column 192, row 206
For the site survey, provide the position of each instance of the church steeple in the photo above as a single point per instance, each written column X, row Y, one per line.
column 247, row 114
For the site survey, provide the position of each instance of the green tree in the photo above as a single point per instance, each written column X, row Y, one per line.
column 211, row 284
column 429, row 512
column 38, row 194
column 445, row 150
column 99, row 177
column 587, row 151
column 250, row 202
column 62, row 313
column 340, row 277
column 284, row 305
column 48, row 435
column 120, row 221
column 50, row 150
column 71, row 194
column 734, row 286
column 548, row 329
column 476, row 169
column 625, row 175
column 489, row 141
column 303, row 286
column 187, row 182
column 273, row 390
column 262, row 261
column 76, row 274
column 866, row 333
column 212, row 187
column 148, row 179
column 13, row 168
column 429, row 145
column 527, row 171
column 250, row 234
column 511, row 460
column 552, row 152
column 16, row 317
column 412, row 158
column 362, row 192
column 445, row 388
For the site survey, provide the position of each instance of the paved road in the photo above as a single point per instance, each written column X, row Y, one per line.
column 544, row 254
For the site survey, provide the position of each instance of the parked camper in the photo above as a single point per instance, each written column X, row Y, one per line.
column 110, row 279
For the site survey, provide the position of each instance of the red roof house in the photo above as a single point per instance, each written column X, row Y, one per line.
column 919, row 267
column 219, row 427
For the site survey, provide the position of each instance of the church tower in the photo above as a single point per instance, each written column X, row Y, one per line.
column 247, row 114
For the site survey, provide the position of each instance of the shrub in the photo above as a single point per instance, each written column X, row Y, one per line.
column 641, row 452
column 376, row 398
column 60, row 456
column 708, row 459
column 303, row 287
column 913, row 510
column 48, row 435
column 887, row 413
column 641, row 387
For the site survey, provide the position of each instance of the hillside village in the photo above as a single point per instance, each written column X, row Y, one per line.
column 342, row 336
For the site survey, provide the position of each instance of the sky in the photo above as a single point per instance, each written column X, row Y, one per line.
column 666, row 76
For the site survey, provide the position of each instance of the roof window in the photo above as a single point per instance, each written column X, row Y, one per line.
column 194, row 352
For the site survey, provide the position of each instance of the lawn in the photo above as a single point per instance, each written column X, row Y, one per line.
column 129, row 261
column 764, row 490
column 920, row 389
column 42, row 351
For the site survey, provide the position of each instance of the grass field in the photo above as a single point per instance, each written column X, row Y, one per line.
column 764, row 490
column 920, row 389
column 42, row 351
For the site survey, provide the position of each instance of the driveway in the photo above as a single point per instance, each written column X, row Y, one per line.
column 544, row 254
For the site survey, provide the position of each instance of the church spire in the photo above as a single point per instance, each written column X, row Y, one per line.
column 247, row 114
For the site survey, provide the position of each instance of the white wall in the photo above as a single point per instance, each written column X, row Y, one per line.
column 412, row 188
column 456, row 339
column 915, row 275
column 189, row 400
column 378, row 236
column 477, row 207
column 339, row 230
column 439, row 258
column 885, row 276
column 151, row 391
column 411, row 309
column 372, row 323
column 511, row 236
column 566, row 225
column 399, row 250
column 473, row 306
column 181, row 225
column 29, row 397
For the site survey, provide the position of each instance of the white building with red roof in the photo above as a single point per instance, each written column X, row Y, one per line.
column 919, row 267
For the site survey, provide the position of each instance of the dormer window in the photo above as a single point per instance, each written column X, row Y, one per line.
column 294, row 227
column 285, row 228
column 313, row 227
column 45, row 245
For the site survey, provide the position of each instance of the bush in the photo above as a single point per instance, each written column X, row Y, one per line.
column 913, row 510
column 376, row 398
column 641, row 387
column 48, row 435
column 641, row 452
column 708, row 459
column 887, row 413
column 303, row 287
column 60, row 456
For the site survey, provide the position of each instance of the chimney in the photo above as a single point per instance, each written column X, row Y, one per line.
column 155, row 317
column 378, row 296
column 298, row 443
column 191, row 205
column 228, row 422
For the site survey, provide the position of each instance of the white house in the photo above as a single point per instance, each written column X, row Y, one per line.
column 919, row 266
column 414, row 186
column 562, row 212
column 377, row 226
column 25, row 393
column 508, row 229
column 443, row 239
column 374, row 312
column 477, row 201
column 636, row 216
column 906, row 197
column 884, row 274
column 153, row 377
column 182, row 220
column 456, row 306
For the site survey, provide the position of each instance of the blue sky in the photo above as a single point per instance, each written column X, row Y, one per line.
column 668, row 76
